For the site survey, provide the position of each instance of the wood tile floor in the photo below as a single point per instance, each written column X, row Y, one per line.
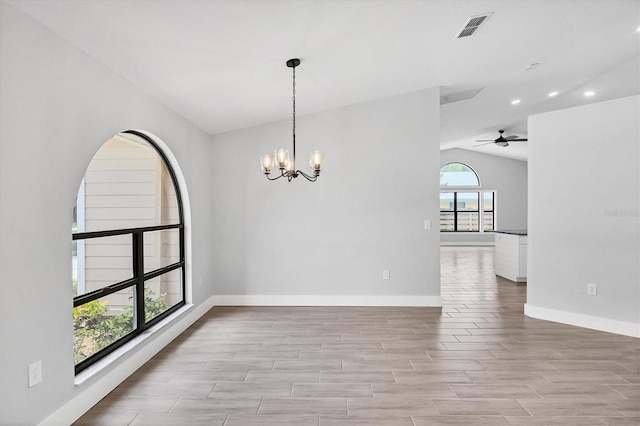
column 476, row 361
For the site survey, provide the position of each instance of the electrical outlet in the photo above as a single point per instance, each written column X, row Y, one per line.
column 592, row 289
column 386, row 274
column 35, row 373
column 427, row 224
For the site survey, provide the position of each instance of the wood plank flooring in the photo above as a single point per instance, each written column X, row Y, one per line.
column 476, row 361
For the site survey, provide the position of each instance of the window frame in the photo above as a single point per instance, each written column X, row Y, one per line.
column 479, row 211
column 492, row 211
column 137, row 282
column 458, row 189
column 479, row 185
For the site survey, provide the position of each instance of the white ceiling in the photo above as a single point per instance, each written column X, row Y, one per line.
column 221, row 63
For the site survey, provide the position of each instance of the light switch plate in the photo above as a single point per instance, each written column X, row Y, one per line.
column 35, row 373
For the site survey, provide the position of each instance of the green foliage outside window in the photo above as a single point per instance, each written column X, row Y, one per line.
column 94, row 329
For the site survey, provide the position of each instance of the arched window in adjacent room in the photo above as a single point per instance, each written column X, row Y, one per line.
column 128, row 246
column 463, row 204
column 458, row 174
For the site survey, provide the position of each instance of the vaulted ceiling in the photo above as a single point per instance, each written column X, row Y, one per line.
column 221, row 63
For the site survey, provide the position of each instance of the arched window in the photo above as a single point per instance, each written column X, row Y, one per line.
column 463, row 206
column 458, row 174
column 128, row 246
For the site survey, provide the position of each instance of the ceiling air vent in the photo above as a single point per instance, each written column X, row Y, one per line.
column 472, row 25
column 450, row 94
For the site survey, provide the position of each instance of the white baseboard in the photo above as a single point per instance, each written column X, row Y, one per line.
column 94, row 392
column 580, row 320
column 468, row 243
column 326, row 300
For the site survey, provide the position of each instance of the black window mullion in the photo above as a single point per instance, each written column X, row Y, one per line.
column 493, row 208
column 479, row 195
column 174, row 180
column 138, row 274
column 114, row 232
column 182, row 259
column 182, row 244
column 102, row 292
column 455, row 211
column 161, row 271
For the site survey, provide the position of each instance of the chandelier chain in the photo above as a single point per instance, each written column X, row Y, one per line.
column 294, row 115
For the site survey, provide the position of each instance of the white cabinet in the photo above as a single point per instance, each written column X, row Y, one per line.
column 510, row 260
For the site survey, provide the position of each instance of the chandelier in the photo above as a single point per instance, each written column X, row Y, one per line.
column 281, row 157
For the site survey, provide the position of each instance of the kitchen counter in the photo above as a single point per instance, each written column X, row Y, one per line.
column 510, row 259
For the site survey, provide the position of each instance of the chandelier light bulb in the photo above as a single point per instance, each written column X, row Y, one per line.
column 281, row 156
column 266, row 161
column 289, row 167
column 315, row 161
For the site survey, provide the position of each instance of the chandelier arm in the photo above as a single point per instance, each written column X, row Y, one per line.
column 275, row 178
column 308, row 177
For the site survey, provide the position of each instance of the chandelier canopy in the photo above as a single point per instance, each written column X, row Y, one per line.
column 281, row 158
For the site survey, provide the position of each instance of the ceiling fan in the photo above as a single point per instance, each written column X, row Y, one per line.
column 501, row 141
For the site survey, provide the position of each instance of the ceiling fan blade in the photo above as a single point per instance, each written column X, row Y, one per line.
column 518, row 140
column 482, row 144
column 485, row 140
column 511, row 137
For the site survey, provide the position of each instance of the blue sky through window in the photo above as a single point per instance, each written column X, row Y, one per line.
column 458, row 174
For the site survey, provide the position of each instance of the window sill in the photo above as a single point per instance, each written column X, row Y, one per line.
column 125, row 350
column 466, row 232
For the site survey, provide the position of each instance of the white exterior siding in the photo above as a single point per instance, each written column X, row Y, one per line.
column 128, row 186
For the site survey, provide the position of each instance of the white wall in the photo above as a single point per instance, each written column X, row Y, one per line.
column 57, row 107
column 327, row 242
column 507, row 177
column 583, row 216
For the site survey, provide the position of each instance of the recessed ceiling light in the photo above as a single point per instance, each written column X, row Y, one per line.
column 589, row 93
column 552, row 94
column 638, row 29
column 515, row 102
